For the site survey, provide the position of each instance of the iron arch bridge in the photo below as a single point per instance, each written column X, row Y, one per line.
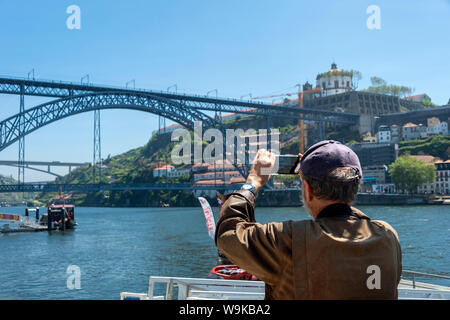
column 32, row 165
column 18, row 126
column 59, row 89
column 24, row 123
column 72, row 99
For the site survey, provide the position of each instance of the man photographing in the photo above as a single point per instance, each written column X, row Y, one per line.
column 340, row 254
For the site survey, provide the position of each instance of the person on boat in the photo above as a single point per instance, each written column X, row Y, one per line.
column 340, row 254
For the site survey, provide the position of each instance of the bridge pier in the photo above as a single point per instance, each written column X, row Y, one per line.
column 97, row 158
column 21, row 167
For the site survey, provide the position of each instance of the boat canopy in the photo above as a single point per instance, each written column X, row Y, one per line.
column 9, row 217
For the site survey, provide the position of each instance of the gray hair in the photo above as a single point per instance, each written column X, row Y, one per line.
column 341, row 185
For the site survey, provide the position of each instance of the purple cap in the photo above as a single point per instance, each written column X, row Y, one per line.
column 324, row 156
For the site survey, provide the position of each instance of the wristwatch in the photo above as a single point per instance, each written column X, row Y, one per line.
column 249, row 186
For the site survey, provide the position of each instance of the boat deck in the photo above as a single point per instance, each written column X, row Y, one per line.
column 34, row 229
column 219, row 289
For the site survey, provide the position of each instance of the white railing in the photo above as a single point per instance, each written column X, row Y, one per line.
column 218, row 289
column 423, row 294
column 415, row 274
column 200, row 289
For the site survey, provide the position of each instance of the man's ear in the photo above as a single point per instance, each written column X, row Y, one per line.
column 308, row 192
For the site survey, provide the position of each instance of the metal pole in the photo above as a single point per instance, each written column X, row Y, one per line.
column 131, row 81
column 63, row 218
column 85, row 77
column 21, row 168
column 165, row 156
column 173, row 86
column 97, row 158
column 223, row 151
column 31, row 73
column 215, row 90
column 49, row 220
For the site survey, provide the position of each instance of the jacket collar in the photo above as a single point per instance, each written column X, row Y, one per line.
column 340, row 210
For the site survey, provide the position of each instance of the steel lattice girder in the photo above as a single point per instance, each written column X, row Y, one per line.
column 64, row 89
column 49, row 112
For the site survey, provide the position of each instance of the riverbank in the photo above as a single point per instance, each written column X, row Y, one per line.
column 398, row 199
column 288, row 198
column 293, row 198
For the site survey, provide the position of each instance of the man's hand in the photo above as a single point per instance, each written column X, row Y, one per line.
column 262, row 168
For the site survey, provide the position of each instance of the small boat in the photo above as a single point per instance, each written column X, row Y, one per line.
column 13, row 223
column 61, row 208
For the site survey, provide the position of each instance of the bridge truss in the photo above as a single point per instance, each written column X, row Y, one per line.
column 72, row 99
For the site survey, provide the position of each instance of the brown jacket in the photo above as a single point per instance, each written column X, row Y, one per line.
column 331, row 257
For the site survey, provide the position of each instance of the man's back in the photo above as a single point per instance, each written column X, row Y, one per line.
column 342, row 254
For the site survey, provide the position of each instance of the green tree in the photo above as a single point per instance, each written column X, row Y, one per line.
column 357, row 76
column 408, row 173
column 376, row 81
column 381, row 86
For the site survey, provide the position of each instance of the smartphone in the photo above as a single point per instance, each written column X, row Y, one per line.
column 287, row 164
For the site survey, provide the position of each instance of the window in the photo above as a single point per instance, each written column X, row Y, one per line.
column 336, row 83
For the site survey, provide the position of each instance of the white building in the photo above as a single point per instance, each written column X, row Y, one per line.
column 411, row 131
column 384, row 134
column 334, row 81
column 441, row 184
column 163, row 171
column 179, row 173
column 435, row 126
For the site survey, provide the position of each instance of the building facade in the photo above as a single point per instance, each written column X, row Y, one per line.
column 412, row 131
column 374, row 154
column 436, row 126
column 334, row 81
column 396, row 133
column 384, row 134
column 441, row 184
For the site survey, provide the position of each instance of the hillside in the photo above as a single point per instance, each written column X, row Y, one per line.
column 136, row 166
column 437, row 146
column 8, row 198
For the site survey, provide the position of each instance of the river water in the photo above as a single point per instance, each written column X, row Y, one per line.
column 117, row 249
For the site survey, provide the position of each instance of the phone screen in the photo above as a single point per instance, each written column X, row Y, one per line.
column 287, row 163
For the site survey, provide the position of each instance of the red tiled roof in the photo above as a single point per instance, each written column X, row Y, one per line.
column 415, row 96
column 426, row 158
column 164, row 167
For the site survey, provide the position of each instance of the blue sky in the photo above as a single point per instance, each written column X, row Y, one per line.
column 236, row 47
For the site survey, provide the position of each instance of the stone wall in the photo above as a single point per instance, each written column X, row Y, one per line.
column 279, row 198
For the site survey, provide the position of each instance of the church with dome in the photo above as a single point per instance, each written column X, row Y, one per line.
column 334, row 81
